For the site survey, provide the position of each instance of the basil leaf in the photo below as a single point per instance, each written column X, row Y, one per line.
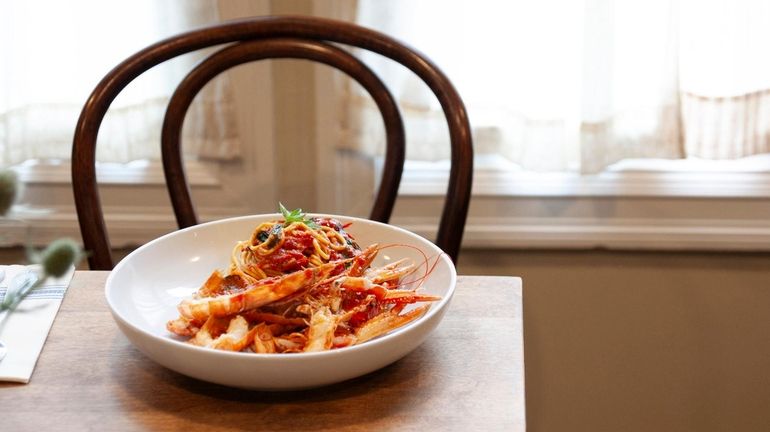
column 296, row 215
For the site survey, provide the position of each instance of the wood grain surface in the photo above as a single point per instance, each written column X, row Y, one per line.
column 468, row 376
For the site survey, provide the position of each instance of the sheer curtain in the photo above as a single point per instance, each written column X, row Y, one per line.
column 54, row 53
column 563, row 85
column 726, row 78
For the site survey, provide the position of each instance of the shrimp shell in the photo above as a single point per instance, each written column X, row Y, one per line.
column 254, row 296
column 386, row 322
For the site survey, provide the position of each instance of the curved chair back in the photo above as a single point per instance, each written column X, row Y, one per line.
column 255, row 39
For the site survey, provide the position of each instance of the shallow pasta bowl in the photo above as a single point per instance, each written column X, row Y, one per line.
column 145, row 288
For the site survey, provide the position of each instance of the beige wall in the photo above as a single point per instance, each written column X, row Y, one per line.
column 641, row 341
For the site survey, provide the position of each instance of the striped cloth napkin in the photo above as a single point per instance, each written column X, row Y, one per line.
column 25, row 330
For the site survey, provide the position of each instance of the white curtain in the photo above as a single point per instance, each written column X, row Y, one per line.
column 726, row 78
column 55, row 52
column 564, row 85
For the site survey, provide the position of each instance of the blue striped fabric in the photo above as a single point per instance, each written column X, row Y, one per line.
column 48, row 292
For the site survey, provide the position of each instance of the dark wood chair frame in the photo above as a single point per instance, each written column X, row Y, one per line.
column 255, row 39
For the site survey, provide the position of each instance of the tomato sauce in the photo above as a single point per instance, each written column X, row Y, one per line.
column 352, row 299
column 298, row 246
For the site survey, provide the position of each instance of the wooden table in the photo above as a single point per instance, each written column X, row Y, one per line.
column 469, row 376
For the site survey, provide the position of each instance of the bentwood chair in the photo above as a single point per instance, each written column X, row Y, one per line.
column 256, row 39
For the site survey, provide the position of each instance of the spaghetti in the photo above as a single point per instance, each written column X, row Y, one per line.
column 279, row 247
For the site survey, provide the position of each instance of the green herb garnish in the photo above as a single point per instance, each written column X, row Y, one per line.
column 296, row 215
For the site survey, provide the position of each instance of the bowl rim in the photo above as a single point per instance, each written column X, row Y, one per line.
column 170, row 341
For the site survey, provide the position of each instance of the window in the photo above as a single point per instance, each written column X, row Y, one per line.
column 54, row 55
column 594, row 124
column 569, row 86
column 47, row 76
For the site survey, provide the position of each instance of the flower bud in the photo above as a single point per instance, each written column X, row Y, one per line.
column 8, row 190
column 59, row 256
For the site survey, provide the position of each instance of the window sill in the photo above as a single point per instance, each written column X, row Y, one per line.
column 134, row 199
column 625, row 209
column 132, row 173
column 691, row 179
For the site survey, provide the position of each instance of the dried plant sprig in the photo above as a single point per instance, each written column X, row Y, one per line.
column 8, row 190
column 18, row 288
column 55, row 261
column 60, row 256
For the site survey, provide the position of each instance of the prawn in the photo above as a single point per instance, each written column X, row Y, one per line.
column 264, row 292
column 235, row 338
column 387, row 321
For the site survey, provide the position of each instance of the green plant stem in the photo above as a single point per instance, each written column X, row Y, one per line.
column 13, row 298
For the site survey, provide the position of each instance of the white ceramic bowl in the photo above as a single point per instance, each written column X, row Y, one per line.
column 146, row 286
